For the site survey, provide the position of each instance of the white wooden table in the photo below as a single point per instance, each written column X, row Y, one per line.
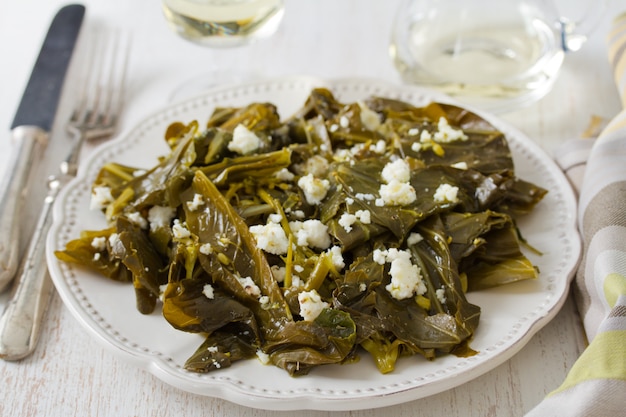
column 71, row 374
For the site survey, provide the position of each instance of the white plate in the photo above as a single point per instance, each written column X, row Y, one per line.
column 510, row 314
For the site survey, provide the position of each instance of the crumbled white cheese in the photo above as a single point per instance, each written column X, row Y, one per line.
column 179, row 230
column 314, row 189
column 244, row 141
column 414, row 238
column 447, row 133
column 114, row 242
column 364, row 216
column 311, row 305
column 99, row 243
column 362, row 287
column 296, row 282
column 284, row 175
column 344, row 121
column 333, row 128
column 264, row 300
column 250, row 287
column 441, row 295
column 416, row 146
column 275, row 218
column 271, row 238
column 369, row 118
column 278, row 272
column 337, row 257
column 206, row 249
column 137, row 219
column 446, row 193
column 263, row 357
column 379, row 256
column 406, row 278
column 311, row 233
column 97, row 256
column 425, row 136
column 100, row 198
column 379, row 147
column 413, row 131
column 208, row 291
column 195, row 204
column 460, row 165
column 397, row 193
column 316, row 165
column 160, row 216
column 484, row 190
column 397, row 170
column 346, row 221
column 365, row 196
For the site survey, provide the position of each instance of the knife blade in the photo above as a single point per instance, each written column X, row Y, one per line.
column 31, row 125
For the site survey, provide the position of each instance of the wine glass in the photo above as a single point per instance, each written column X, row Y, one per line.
column 226, row 26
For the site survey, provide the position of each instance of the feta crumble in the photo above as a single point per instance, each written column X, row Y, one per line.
column 414, row 238
column 314, row 189
column 406, row 278
column 397, row 193
column 278, row 272
column 441, row 295
column 447, row 133
column 346, row 221
column 208, row 291
column 337, row 257
column 244, row 141
column 397, row 170
column 206, row 249
column 271, row 238
column 316, row 165
column 137, row 219
column 263, row 357
column 311, row 305
column 311, row 233
column 250, row 287
column 179, row 230
column 160, row 216
column 99, row 243
column 100, row 198
column 284, row 175
column 195, row 204
column 446, row 193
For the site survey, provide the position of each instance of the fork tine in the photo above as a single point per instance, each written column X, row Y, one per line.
column 101, row 96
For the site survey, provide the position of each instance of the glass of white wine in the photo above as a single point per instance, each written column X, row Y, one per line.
column 225, row 26
column 495, row 54
column 223, row 23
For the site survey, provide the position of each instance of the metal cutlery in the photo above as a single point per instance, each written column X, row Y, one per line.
column 95, row 117
column 31, row 125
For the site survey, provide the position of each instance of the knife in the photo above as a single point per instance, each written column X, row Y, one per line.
column 31, row 126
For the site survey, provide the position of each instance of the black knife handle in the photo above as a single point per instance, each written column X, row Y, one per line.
column 28, row 140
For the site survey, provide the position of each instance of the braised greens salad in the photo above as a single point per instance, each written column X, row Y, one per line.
column 344, row 229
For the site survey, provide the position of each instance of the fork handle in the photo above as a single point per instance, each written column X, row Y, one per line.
column 27, row 139
column 21, row 321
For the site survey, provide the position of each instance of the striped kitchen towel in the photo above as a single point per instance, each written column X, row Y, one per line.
column 596, row 384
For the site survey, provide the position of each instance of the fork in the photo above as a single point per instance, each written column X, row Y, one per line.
column 95, row 116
